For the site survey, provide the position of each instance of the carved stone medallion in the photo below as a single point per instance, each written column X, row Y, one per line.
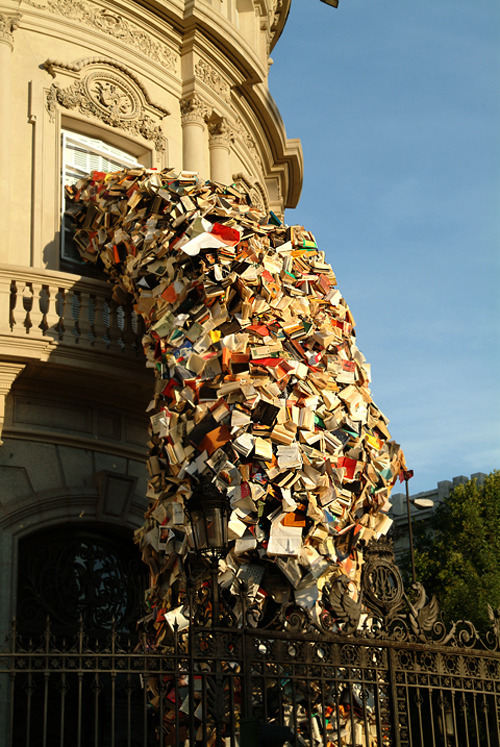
column 113, row 97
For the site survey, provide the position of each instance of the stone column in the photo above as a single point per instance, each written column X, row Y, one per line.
column 219, row 146
column 194, row 137
column 8, row 23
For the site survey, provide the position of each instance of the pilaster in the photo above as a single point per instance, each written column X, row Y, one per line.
column 8, row 374
column 8, row 24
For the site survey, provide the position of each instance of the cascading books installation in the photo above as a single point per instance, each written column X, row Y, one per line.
column 260, row 389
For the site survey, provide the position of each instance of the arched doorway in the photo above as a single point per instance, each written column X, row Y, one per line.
column 89, row 582
column 79, row 573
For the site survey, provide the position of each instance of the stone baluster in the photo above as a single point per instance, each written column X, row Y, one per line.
column 27, row 297
column 40, row 307
column 71, row 316
column 101, row 318
column 128, row 334
column 114, row 331
column 85, row 324
column 8, row 303
column 53, row 312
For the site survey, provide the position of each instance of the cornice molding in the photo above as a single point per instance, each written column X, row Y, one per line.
column 281, row 9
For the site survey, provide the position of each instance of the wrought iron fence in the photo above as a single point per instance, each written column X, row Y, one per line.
column 400, row 678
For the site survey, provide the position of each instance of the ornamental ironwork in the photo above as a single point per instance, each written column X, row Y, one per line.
column 237, row 677
column 75, row 575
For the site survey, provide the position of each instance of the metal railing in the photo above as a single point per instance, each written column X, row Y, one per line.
column 398, row 680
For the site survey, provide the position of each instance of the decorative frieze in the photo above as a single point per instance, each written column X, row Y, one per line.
column 113, row 24
column 249, row 143
column 213, row 79
column 275, row 14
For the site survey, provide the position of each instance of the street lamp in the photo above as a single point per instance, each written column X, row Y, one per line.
column 208, row 511
column 418, row 503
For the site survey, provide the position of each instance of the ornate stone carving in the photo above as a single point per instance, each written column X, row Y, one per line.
column 275, row 14
column 254, row 191
column 55, row 66
column 112, row 24
column 194, row 109
column 249, row 143
column 220, row 133
column 213, row 79
column 111, row 98
column 8, row 24
column 257, row 198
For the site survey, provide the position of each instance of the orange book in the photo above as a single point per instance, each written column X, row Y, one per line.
column 294, row 519
column 215, row 439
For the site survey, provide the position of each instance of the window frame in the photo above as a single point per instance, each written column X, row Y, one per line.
column 93, row 147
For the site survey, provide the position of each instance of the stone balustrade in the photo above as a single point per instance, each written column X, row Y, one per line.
column 57, row 311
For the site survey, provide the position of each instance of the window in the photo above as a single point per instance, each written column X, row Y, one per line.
column 80, row 156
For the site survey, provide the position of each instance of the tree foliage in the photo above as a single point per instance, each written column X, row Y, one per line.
column 457, row 556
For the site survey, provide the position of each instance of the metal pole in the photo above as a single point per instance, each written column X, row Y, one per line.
column 214, row 567
column 410, row 531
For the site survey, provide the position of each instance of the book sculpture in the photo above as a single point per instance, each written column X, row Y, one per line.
column 260, row 389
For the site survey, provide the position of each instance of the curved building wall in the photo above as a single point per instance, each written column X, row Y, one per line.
column 177, row 83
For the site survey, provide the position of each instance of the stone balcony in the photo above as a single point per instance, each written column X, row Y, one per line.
column 62, row 325
column 59, row 314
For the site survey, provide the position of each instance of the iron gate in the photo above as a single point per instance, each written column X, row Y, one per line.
column 392, row 675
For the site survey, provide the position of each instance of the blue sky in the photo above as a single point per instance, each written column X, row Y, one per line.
column 397, row 106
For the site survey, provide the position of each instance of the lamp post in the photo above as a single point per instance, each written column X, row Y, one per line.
column 418, row 503
column 208, row 511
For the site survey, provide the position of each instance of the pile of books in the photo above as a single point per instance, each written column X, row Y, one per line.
column 259, row 386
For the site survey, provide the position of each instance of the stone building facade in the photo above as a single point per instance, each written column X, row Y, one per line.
column 97, row 85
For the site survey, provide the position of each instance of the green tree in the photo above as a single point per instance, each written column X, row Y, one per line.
column 457, row 556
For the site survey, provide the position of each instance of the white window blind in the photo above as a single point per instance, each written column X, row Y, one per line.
column 80, row 156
